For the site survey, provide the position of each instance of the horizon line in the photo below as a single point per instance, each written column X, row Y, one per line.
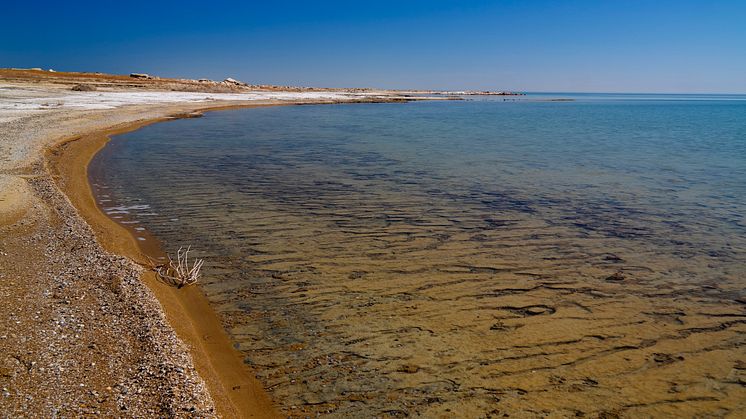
column 413, row 89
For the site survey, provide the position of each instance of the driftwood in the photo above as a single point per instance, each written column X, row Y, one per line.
column 179, row 273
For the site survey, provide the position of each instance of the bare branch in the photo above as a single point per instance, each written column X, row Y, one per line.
column 179, row 273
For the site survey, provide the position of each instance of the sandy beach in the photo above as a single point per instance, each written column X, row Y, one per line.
column 88, row 330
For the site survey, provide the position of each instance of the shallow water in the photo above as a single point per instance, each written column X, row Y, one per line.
column 467, row 258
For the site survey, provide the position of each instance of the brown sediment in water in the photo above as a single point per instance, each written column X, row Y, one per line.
column 232, row 385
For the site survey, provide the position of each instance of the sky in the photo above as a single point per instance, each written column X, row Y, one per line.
column 663, row 46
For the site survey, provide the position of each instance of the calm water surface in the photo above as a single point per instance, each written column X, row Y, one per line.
column 469, row 258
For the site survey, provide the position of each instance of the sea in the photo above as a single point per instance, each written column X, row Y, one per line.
column 548, row 254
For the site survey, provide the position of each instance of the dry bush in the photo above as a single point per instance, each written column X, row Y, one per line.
column 179, row 273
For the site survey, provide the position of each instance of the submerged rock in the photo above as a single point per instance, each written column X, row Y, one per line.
column 616, row 277
column 408, row 368
column 613, row 258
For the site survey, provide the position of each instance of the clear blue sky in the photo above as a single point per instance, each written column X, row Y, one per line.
column 611, row 46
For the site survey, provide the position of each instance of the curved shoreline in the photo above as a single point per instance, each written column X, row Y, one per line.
column 233, row 387
column 84, row 334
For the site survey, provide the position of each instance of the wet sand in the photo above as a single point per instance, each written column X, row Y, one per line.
column 232, row 385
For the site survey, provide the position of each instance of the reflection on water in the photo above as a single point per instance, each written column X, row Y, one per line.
column 472, row 259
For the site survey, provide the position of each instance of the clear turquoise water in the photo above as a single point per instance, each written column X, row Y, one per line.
column 678, row 157
column 290, row 205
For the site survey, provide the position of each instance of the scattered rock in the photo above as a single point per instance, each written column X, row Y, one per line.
column 556, row 379
column 609, row 414
column 613, row 258
column 664, row 359
column 590, row 382
column 83, row 88
column 616, row 277
column 408, row 368
column 140, row 76
column 533, row 310
column 536, row 310
column 356, row 275
column 502, row 327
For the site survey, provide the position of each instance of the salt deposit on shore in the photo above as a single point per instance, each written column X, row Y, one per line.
column 16, row 102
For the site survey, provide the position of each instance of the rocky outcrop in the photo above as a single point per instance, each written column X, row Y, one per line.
column 234, row 82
